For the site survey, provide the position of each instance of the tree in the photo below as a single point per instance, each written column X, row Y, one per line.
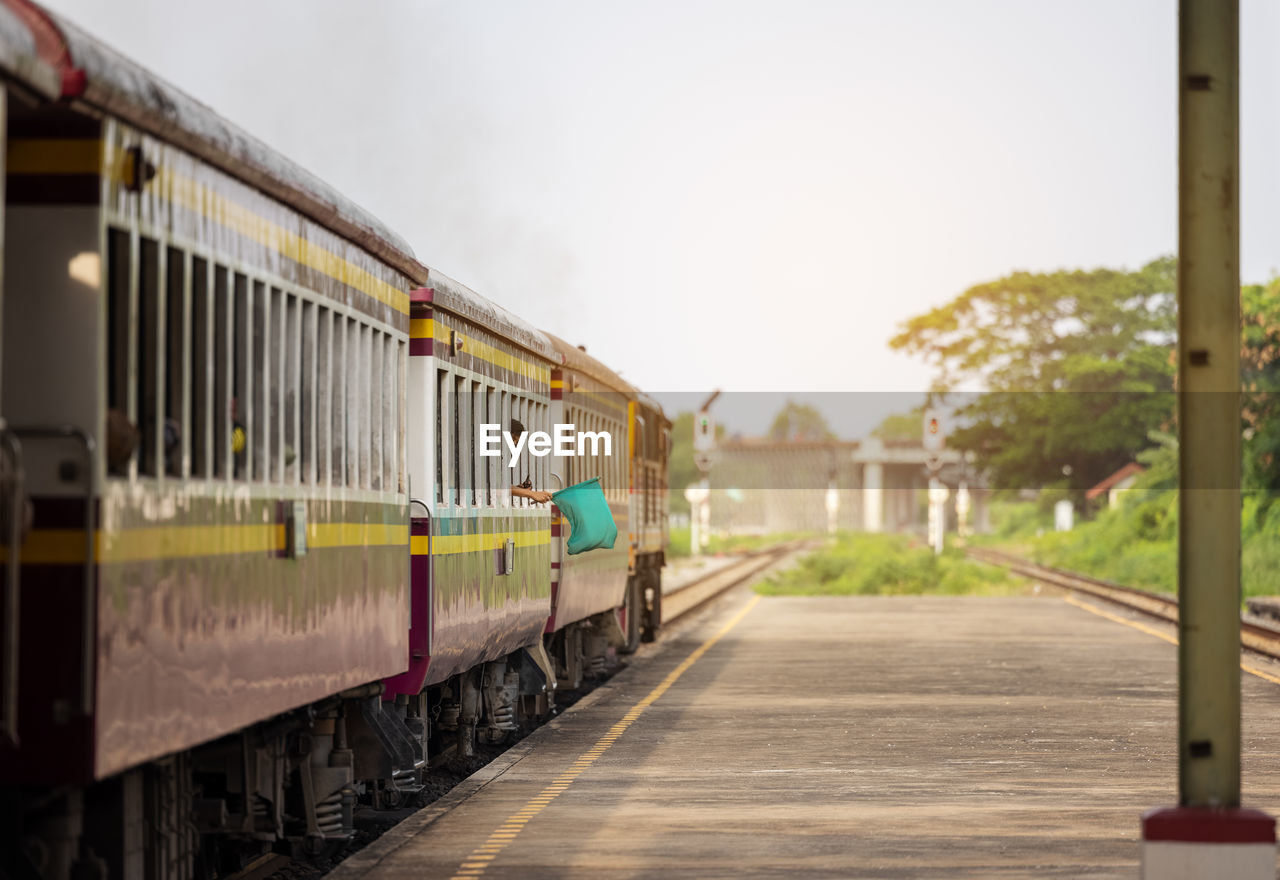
column 1260, row 380
column 901, row 427
column 799, row 422
column 1078, row 367
column 681, row 471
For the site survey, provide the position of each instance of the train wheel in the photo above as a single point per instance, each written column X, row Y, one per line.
column 634, row 609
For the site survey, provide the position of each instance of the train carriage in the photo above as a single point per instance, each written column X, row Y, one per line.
column 204, row 361
column 649, row 445
column 480, row 556
column 593, row 399
column 255, row 564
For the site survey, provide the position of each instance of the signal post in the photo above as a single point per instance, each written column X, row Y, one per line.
column 935, row 440
column 699, row 494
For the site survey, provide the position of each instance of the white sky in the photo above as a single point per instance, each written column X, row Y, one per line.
column 744, row 194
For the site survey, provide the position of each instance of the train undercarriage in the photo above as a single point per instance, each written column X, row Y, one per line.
column 293, row 785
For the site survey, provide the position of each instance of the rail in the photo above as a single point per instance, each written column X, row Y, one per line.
column 694, row 595
column 1253, row 635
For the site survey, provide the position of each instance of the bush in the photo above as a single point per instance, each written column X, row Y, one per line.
column 1136, row 543
column 866, row 565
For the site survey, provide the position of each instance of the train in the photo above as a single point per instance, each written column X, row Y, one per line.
column 259, row 570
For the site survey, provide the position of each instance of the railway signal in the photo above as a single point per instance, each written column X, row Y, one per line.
column 704, row 432
column 934, row 432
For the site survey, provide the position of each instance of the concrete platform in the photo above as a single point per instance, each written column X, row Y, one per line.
column 844, row 737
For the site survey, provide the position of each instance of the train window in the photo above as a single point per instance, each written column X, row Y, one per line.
column 491, row 417
column 356, row 396
column 610, row 466
column 538, row 464
column 473, row 403
column 391, row 366
column 118, row 296
column 242, row 379
column 619, row 464
column 455, row 445
column 477, row 461
column 471, row 490
column 535, row 463
column 500, row 472
column 593, row 461
column 147, row 354
column 571, row 475
column 377, row 380
column 307, row 400
column 505, row 482
column 222, row 364
column 275, row 388
column 201, row 369
column 442, row 379
column 324, row 395
column 173, row 367
column 259, row 423
column 293, row 390
column 400, row 462
column 338, row 410
column 118, row 266
column 364, row 430
column 520, row 407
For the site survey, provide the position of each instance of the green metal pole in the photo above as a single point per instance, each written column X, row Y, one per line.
column 1208, row 403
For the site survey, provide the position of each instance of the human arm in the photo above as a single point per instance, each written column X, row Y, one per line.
column 533, row 494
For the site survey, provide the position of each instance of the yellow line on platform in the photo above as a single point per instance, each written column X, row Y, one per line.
column 1173, row 640
column 506, row 833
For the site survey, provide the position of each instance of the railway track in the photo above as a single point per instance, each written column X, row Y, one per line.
column 1254, row 635
column 691, row 596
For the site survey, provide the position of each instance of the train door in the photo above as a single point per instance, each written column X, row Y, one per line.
column 12, row 510
column 50, row 393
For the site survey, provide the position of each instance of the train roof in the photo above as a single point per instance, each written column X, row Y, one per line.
column 20, row 55
column 91, row 72
column 653, row 404
column 456, row 297
column 578, row 360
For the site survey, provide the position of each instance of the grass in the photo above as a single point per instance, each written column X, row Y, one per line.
column 888, row 565
column 1136, row 542
column 679, row 546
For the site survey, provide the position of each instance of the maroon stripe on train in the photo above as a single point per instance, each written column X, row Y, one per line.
column 1208, row 825
column 53, row 189
column 420, row 347
column 59, row 512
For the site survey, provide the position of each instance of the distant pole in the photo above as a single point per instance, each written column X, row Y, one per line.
column 1209, row 403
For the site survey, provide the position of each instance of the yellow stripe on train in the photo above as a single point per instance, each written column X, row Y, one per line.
column 204, row 200
column 447, row 545
column 497, row 357
column 54, row 156
column 67, row 546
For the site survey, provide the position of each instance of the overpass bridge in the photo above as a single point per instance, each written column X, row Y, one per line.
column 770, row 486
